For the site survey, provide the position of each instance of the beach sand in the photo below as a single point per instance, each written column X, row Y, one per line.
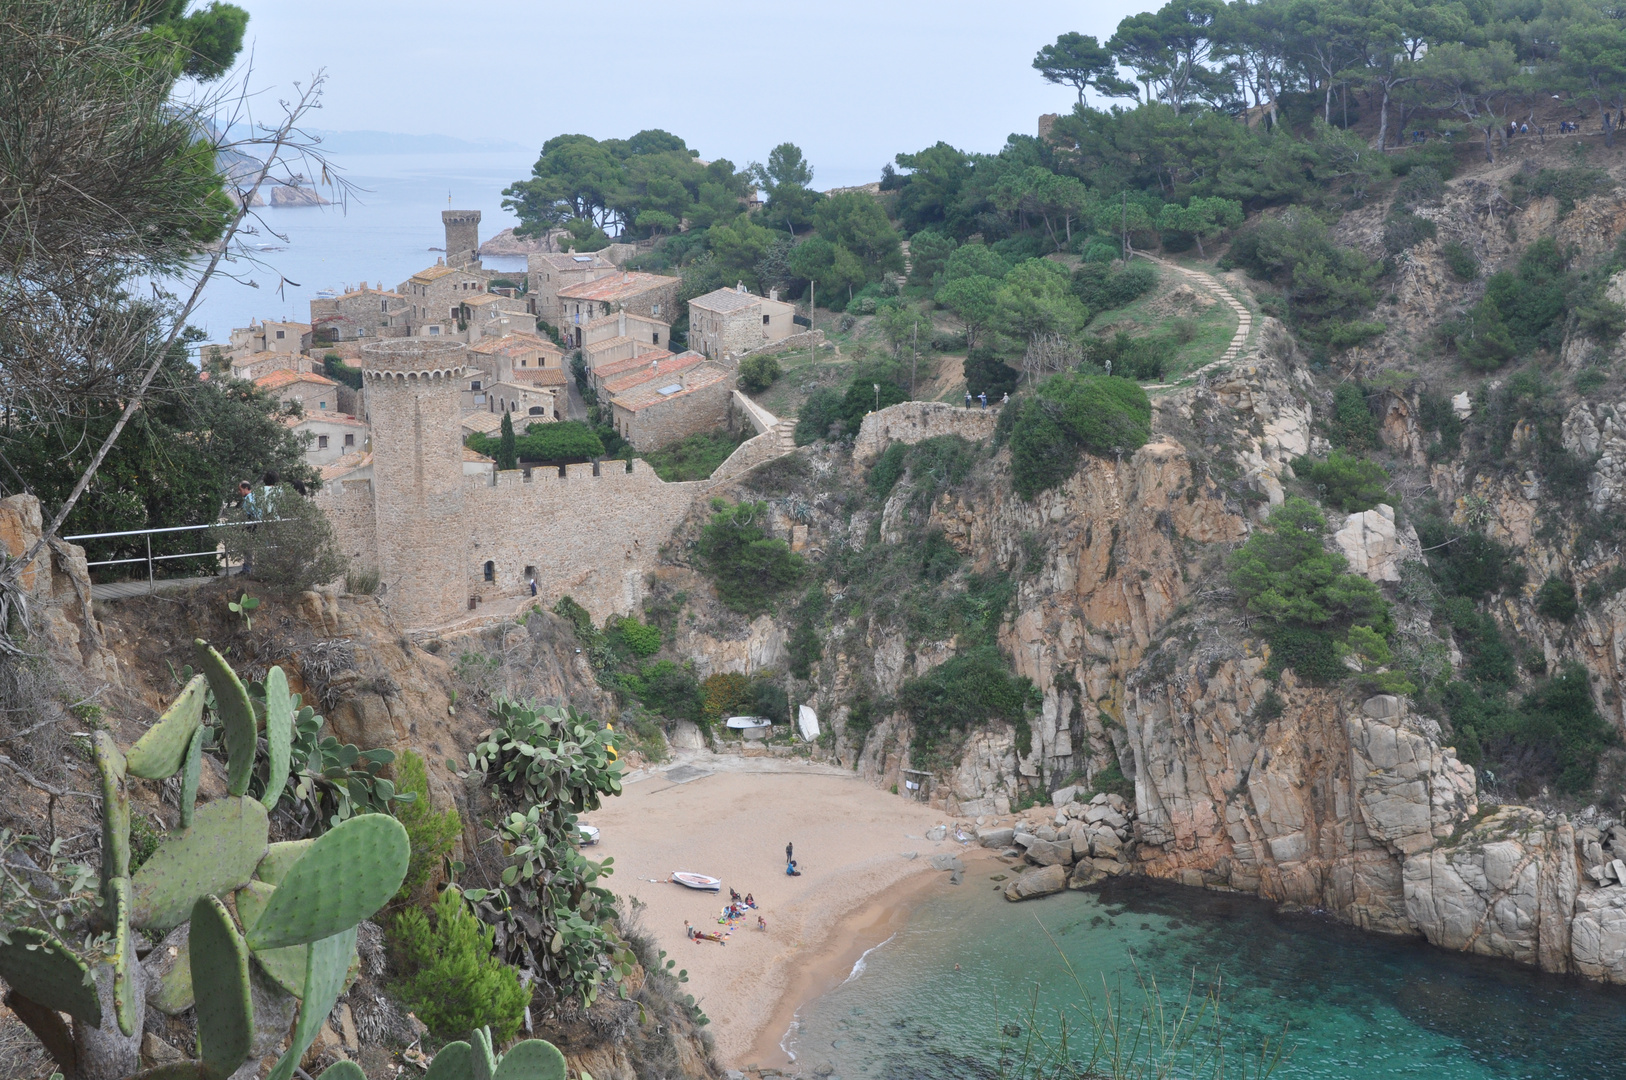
column 733, row 824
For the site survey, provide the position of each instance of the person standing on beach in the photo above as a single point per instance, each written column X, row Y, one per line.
column 789, row 851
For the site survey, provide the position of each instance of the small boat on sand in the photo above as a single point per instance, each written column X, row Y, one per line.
column 697, row 881
column 588, row 833
column 747, row 723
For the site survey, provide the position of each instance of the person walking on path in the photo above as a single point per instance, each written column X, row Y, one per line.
column 968, row 399
column 1006, row 400
column 983, row 398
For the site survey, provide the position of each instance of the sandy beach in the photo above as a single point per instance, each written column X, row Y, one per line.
column 733, row 823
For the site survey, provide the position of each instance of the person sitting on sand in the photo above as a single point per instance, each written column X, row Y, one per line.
column 791, row 871
column 734, row 895
column 750, row 903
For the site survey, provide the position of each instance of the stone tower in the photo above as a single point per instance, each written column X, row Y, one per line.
column 413, row 393
column 462, row 237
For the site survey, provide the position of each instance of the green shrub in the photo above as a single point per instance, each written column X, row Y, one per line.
column 562, row 441
column 1285, row 575
column 1556, row 600
column 749, row 569
column 334, row 367
column 293, row 548
column 1521, row 311
column 1353, row 427
column 818, row 416
column 986, row 372
column 1073, row 412
column 1421, row 186
column 1595, row 592
column 696, row 456
column 1460, row 260
column 1109, row 779
column 668, row 689
column 888, row 470
column 1467, row 564
column 1568, row 186
column 625, row 631
column 431, row 834
column 1486, row 659
column 806, row 645
column 449, row 975
column 1554, row 735
column 1346, row 483
column 1436, row 416
column 1404, row 229
column 1101, row 288
column 757, row 373
column 1327, row 285
column 1143, row 358
column 965, row 692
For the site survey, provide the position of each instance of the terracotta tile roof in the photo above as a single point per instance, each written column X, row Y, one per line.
column 547, row 378
column 611, row 320
column 483, row 299
column 433, row 273
column 516, row 342
column 334, row 470
column 471, row 455
column 339, row 418
column 482, row 421
column 276, row 380
column 649, row 393
column 365, row 291
column 303, row 326
column 261, row 357
column 725, row 300
column 615, row 287
column 572, row 261
column 618, row 367
column 607, row 345
column 659, row 370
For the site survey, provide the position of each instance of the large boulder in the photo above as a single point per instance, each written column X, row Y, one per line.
column 1041, row 882
column 1051, row 852
column 1598, row 934
column 1105, row 815
column 990, row 836
column 1411, row 792
column 1506, row 888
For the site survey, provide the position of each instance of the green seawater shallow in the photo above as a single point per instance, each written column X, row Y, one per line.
column 1348, row 1004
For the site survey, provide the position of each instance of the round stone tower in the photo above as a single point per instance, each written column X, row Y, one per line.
column 462, row 237
column 413, row 404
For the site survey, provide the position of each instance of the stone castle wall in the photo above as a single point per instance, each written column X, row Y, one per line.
column 916, row 421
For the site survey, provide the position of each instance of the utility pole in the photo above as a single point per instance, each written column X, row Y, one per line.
column 914, row 356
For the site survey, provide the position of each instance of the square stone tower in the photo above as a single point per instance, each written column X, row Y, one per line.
column 462, row 238
column 413, row 388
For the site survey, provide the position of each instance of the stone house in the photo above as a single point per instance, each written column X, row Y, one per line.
column 547, row 274
column 329, row 436
column 437, row 294
column 515, row 356
column 728, row 322
column 656, row 412
column 493, row 395
column 361, row 314
column 257, row 365
column 624, row 324
column 623, row 375
column 494, row 315
column 315, row 393
column 649, row 295
column 271, row 336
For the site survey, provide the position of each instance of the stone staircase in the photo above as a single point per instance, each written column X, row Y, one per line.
column 1217, row 288
column 786, row 430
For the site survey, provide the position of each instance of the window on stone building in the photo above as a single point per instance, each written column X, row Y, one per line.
column 350, row 440
column 530, row 573
column 475, row 385
column 491, row 571
column 280, row 335
column 321, row 404
column 536, row 410
column 655, row 337
column 321, row 442
column 765, row 320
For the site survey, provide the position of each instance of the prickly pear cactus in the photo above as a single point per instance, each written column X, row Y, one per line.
column 298, row 902
column 532, row 1059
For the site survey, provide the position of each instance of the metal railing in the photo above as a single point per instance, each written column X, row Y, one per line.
column 152, row 560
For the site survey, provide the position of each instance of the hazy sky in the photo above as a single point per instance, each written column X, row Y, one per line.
column 851, row 82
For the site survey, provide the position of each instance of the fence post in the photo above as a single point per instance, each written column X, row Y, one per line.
column 151, row 586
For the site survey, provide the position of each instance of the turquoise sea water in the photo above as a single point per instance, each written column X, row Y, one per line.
column 1349, row 1004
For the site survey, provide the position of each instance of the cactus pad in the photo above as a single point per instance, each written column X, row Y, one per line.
column 115, row 812
column 191, row 773
column 236, row 715
column 279, row 735
column 159, row 753
column 483, row 1059
column 218, row 853
column 325, row 976
column 225, row 1008
column 343, row 1070
column 173, row 993
column 349, row 873
column 43, row 971
column 286, row 967
column 532, row 1059
column 124, row 957
column 279, row 857
column 454, row 1062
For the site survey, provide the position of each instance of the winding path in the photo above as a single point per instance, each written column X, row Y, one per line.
column 1220, row 290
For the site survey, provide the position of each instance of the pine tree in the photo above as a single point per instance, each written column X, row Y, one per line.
column 507, row 454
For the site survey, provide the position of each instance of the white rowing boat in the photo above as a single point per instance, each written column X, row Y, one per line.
column 697, row 881
column 588, row 833
column 747, row 723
